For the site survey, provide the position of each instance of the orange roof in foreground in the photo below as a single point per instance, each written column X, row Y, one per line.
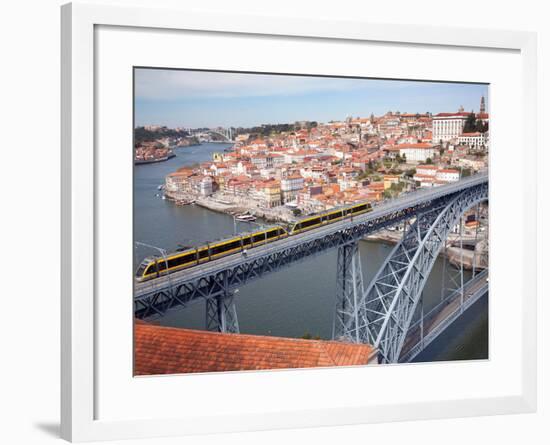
column 164, row 350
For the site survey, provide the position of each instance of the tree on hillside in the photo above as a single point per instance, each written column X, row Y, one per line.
column 470, row 124
column 466, row 172
column 482, row 127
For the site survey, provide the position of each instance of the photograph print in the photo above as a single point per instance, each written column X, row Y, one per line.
column 285, row 221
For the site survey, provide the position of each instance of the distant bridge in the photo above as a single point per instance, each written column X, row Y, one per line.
column 226, row 133
column 382, row 314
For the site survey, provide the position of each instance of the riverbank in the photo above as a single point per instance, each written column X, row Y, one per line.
column 154, row 160
column 455, row 255
column 280, row 215
column 194, row 144
column 452, row 253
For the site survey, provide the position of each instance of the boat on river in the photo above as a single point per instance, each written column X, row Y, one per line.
column 245, row 217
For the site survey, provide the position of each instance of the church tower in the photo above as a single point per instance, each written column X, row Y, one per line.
column 482, row 105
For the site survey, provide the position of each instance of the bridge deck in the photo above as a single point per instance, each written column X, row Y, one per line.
column 404, row 202
column 442, row 315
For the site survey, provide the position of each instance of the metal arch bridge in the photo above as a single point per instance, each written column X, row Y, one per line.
column 380, row 315
column 227, row 133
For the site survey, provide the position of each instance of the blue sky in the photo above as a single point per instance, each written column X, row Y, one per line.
column 209, row 99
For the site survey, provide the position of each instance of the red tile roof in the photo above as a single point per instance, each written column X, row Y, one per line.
column 164, row 350
column 417, row 145
column 457, row 114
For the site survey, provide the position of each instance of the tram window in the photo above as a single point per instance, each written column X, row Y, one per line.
column 233, row 245
column 272, row 233
column 150, row 269
column 181, row 260
column 174, row 262
column 191, row 257
column 225, row 247
column 310, row 223
column 246, row 241
column 203, row 254
column 215, row 250
column 259, row 237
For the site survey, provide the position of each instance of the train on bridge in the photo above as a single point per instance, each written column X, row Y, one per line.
column 153, row 267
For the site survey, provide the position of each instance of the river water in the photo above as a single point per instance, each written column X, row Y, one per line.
column 292, row 302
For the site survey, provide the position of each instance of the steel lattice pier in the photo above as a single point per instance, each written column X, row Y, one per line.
column 384, row 312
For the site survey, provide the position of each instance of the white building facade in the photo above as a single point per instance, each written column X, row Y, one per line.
column 447, row 175
column 448, row 126
column 416, row 152
column 427, row 170
column 474, row 140
column 291, row 186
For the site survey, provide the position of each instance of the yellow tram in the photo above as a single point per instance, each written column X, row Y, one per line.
column 153, row 267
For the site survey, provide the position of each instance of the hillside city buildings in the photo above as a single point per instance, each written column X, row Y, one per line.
column 315, row 168
column 152, row 152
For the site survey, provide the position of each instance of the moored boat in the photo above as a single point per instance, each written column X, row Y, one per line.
column 245, row 217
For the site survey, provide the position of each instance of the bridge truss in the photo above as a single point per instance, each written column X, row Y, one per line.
column 227, row 133
column 381, row 316
column 222, row 280
column 378, row 315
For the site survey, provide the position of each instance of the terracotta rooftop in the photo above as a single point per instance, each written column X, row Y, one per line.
column 165, row 350
column 457, row 114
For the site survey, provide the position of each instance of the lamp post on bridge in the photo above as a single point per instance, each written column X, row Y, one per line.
column 163, row 253
column 234, row 225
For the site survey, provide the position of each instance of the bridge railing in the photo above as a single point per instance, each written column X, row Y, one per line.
column 425, row 339
column 205, row 280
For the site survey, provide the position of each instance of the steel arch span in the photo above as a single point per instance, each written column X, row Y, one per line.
column 384, row 314
column 226, row 134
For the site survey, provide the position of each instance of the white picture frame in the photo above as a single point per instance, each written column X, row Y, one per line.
column 79, row 417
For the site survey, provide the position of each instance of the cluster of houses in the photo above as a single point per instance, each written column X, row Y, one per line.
column 337, row 163
column 151, row 152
